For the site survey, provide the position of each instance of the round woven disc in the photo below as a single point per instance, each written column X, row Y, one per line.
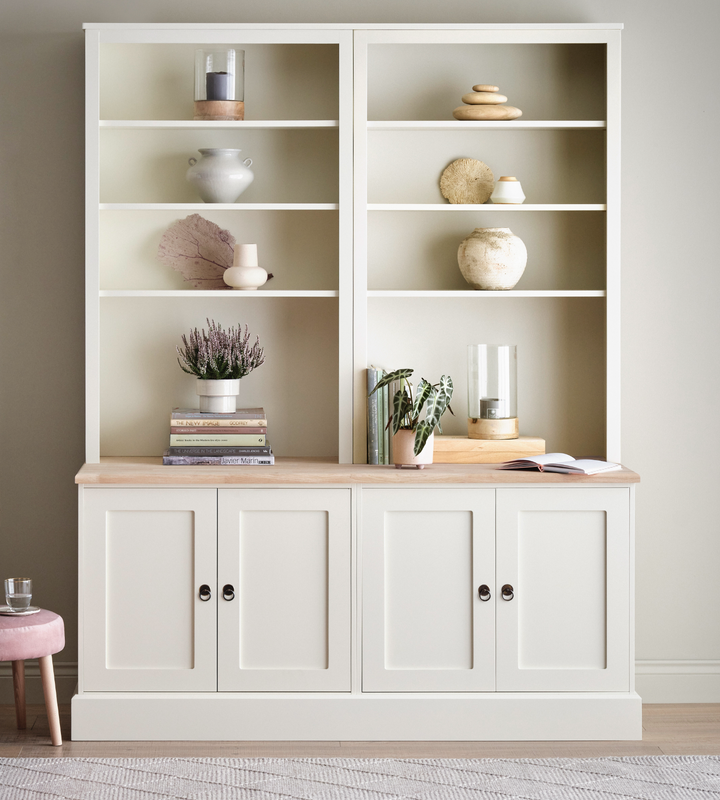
column 467, row 180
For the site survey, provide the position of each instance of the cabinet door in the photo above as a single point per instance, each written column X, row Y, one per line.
column 566, row 554
column 425, row 553
column 144, row 555
column 285, row 624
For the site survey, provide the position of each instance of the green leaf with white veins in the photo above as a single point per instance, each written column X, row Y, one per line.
column 421, row 395
column 399, row 374
column 439, row 400
column 401, row 406
column 422, row 433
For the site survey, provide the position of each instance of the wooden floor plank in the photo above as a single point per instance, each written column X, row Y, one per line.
column 681, row 729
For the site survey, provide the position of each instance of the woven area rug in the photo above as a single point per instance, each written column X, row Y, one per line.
column 652, row 777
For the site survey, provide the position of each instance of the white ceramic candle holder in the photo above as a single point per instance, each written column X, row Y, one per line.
column 508, row 190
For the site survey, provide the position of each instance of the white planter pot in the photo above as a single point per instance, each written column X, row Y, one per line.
column 492, row 258
column 403, row 450
column 218, row 397
column 220, row 176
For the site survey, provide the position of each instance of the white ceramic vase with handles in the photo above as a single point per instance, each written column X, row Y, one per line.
column 220, row 176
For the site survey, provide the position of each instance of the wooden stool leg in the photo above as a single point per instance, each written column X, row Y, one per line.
column 48, row 682
column 18, row 671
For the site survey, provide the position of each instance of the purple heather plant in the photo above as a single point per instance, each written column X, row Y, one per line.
column 218, row 354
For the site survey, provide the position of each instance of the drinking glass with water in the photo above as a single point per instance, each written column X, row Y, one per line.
column 18, row 593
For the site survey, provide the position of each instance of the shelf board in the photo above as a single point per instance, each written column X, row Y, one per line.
column 218, row 124
column 218, row 293
column 459, row 207
column 456, row 125
column 476, row 293
column 219, row 206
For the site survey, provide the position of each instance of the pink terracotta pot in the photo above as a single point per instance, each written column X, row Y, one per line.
column 403, row 455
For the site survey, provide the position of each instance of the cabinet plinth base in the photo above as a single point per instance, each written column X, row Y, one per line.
column 527, row 716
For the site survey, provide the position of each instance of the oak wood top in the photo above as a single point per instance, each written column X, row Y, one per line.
column 135, row 470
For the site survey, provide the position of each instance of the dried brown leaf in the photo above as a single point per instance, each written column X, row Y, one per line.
column 199, row 250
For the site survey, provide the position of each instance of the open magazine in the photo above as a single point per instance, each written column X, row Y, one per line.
column 560, row 462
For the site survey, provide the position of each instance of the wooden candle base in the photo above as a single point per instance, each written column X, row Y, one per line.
column 493, row 428
column 219, row 109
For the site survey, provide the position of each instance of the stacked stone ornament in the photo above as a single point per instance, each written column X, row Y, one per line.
column 485, row 103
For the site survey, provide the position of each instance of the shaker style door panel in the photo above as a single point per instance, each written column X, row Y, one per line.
column 284, row 579
column 145, row 555
column 425, row 555
column 565, row 624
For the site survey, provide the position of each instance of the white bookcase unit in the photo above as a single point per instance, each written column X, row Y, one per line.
column 322, row 598
column 140, row 135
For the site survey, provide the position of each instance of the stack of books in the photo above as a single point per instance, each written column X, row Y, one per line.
column 199, row 438
column 379, row 411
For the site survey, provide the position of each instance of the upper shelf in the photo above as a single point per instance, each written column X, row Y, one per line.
column 457, row 125
column 499, row 207
column 474, row 293
column 209, row 207
column 218, row 293
column 183, row 124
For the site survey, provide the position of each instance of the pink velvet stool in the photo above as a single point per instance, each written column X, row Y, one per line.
column 35, row 636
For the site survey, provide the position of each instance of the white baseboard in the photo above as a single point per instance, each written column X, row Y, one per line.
column 66, row 678
column 677, row 681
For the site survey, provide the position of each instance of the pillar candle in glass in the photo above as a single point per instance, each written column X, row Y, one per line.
column 220, row 84
column 492, row 391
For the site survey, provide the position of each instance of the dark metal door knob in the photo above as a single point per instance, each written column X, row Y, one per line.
column 484, row 592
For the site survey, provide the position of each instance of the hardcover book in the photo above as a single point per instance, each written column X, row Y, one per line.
column 216, row 440
column 205, row 430
column 219, row 451
column 219, row 461
column 217, row 422
column 241, row 413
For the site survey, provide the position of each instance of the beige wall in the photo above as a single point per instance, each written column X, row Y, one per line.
column 671, row 282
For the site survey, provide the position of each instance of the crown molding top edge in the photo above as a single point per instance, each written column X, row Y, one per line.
column 231, row 26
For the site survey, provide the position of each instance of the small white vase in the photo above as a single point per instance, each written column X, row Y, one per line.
column 492, row 259
column 404, row 450
column 245, row 278
column 220, row 176
column 508, row 190
column 218, row 397
column 245, row 274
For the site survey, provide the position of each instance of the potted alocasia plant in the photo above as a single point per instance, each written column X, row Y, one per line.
column 219, row 359
column 413, row 436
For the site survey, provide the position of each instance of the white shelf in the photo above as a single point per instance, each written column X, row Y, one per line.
column 218, row 206
column 514, row 208
column 428, row 293
column 183, row 124
column 235, row 293
column 457, row 125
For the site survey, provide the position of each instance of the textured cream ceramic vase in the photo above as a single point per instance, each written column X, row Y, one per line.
column 492, row 258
